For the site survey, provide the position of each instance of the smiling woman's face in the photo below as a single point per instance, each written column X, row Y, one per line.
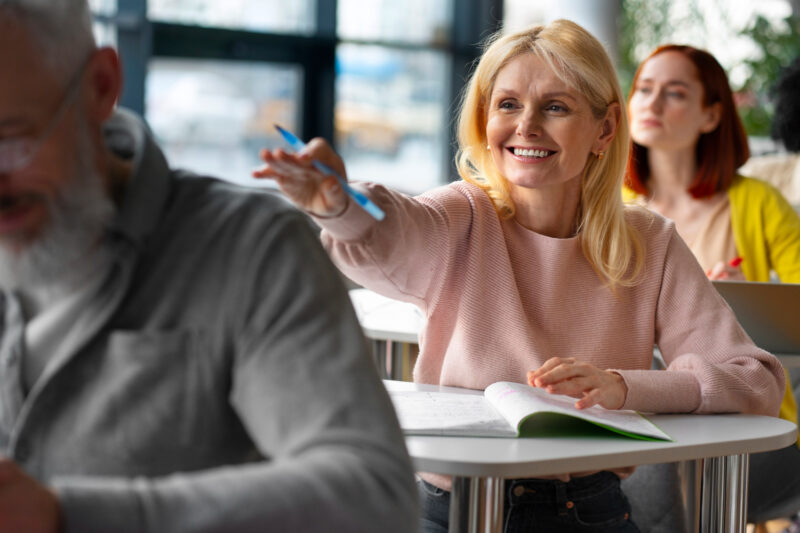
column 540, row 131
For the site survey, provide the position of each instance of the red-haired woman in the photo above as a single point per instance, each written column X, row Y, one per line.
column 687, row 144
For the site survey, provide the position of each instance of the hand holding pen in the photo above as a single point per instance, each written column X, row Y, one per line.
column 313, row 178
column 730, row 271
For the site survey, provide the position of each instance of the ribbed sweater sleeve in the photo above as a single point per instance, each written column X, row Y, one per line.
column 713, row 366
column 404, row 255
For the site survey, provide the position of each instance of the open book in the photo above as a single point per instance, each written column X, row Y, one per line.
column 512, row 410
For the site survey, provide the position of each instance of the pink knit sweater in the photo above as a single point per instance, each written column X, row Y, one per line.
column 500, row 300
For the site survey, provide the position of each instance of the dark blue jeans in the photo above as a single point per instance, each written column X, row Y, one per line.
column 593, row 504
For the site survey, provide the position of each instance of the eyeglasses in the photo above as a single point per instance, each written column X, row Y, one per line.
column 17, row 153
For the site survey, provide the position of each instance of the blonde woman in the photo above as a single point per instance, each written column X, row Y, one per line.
column 531, row 270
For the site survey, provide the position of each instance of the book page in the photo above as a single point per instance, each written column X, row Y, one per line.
column 517, row 401
column 447, row 413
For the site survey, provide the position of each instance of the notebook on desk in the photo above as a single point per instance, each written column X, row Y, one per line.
column 768, row 312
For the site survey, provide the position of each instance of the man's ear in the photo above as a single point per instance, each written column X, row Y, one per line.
column 713, row 114
column 103, row 83
column 608, row 127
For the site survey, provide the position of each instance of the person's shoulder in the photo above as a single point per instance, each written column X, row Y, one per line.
column 455, row 189
column 227, row 198
column 750, row 190
column 767, row 165
column 751, row 183
column 227, row 211
column 655, row 230
column 647, row 221
column 459, row 195
column 658, row 237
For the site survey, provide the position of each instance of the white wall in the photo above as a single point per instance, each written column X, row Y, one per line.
column 598, row 16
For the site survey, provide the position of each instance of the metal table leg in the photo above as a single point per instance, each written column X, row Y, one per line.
column 691, row 479
column 476, row 505
column 391, row 358
column 724, row 494
column 396, row 359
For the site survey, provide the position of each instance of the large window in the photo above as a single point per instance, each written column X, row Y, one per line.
column 379, row 78
column 392, row 91
column 391, row 122
column 214, row 116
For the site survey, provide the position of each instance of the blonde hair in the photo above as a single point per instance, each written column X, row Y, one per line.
column 610, row 244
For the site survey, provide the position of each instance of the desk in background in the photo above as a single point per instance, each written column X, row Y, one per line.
column 393, row 327
column 768, row 313
column 789, row 360
column 719, row 446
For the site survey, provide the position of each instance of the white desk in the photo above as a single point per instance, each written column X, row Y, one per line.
column 394, row 328
column 386, row 319
column 721, row 442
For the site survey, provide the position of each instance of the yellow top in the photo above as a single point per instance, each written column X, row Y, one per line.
column 766, row 230
column 767, row 234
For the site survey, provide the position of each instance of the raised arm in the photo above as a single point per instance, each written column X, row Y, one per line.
column 402, row 255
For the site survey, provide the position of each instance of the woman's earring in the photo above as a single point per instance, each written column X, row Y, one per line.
column 601, row 154
column 488, row 147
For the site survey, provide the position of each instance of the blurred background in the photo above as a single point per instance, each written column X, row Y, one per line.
column 382, row 78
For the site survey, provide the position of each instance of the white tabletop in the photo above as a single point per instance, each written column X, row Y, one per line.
column 696, row 436
column 384, row 318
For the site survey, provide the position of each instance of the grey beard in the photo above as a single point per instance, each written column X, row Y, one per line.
column 73, row 246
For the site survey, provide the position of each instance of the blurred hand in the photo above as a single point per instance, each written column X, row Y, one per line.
column 580, row 380
column 308, row 188
column 25, row 504
column 724, row 271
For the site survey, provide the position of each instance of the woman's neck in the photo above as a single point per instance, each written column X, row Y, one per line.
column 671, row 174
column 551, row 211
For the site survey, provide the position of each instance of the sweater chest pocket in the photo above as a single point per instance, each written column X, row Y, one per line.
column 156, row 386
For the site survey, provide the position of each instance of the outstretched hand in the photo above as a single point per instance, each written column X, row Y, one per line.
column 591, row 385
column 307, row 187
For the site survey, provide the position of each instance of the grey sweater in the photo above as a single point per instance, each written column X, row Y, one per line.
column 218, row 382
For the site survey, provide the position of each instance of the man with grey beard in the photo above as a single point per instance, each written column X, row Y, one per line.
column 176, row 354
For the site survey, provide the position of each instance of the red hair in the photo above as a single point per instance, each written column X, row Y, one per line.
column 719, row 153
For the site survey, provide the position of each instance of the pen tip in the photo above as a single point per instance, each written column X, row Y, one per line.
column 279, row 128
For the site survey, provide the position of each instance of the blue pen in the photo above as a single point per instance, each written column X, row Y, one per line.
column 367, row 204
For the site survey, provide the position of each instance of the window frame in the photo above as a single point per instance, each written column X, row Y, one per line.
column 140, row 39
